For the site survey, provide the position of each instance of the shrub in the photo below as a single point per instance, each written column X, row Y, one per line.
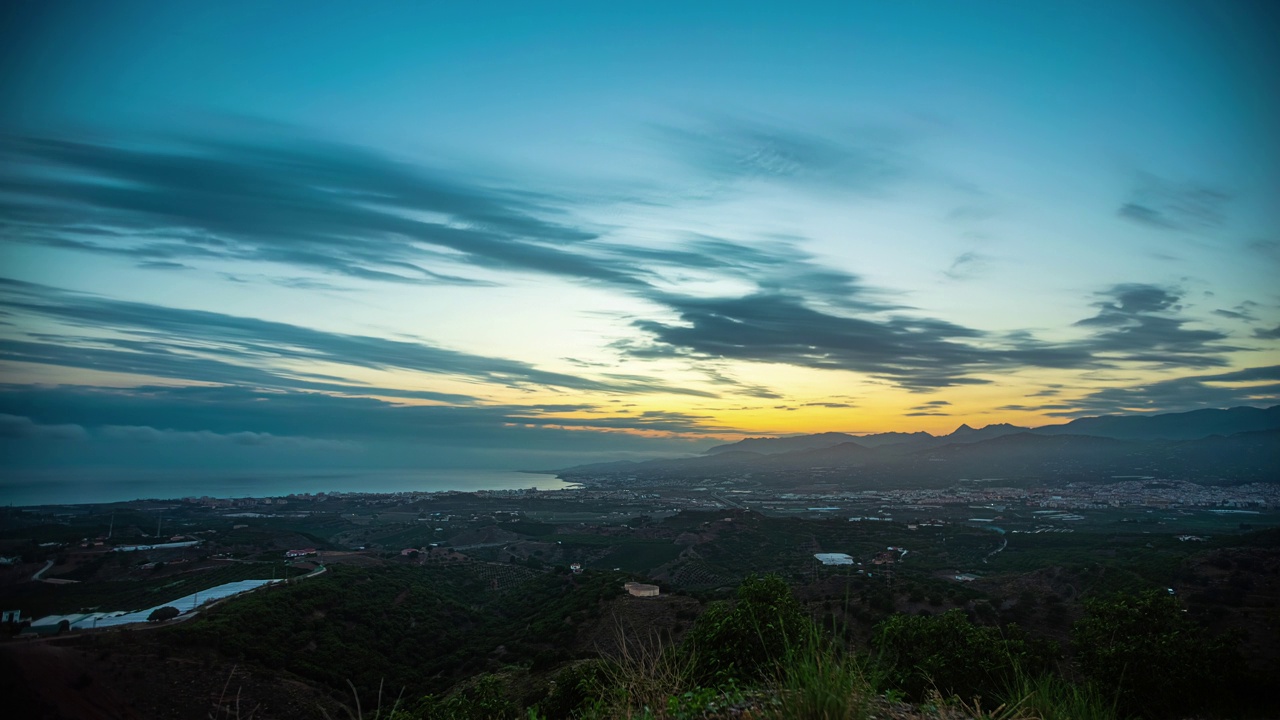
column 160, row 614
column 1144, row 651
column 745, row 642
column 483, row 698
column 575, row 687
column 951, row 655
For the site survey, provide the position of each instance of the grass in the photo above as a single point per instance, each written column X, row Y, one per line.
column 819, row 679
column 1051, row 698
column 822, row 683
column 648, row 673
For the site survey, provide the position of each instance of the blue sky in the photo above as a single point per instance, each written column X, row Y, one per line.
column 502, row 233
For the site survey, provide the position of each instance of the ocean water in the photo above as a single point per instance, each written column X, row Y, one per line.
column 89, row 487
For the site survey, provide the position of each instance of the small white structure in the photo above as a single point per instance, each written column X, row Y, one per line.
column 641, row 589
column 833, row 558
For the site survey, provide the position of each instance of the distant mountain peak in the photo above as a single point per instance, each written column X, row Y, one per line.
column 968, row 434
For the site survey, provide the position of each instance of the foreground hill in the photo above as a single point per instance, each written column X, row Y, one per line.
column 492, row 640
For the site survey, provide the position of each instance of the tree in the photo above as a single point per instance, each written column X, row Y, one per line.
column 751, row 638
column 160, row 614
column 1155, row 661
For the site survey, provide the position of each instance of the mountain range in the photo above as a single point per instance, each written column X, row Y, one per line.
column 1233, row 445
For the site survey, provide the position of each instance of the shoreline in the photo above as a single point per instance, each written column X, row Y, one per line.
column 88, row 491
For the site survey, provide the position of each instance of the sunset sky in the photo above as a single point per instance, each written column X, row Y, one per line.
column 277, row 234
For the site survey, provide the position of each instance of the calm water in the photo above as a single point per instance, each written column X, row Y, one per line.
column 117, row 486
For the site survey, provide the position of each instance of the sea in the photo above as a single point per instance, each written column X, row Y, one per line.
column 93, row 487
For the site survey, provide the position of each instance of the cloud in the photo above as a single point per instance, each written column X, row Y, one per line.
column 1267, row 333
column 1251, row 386
column 325, row 208
column 299, row 425
column 829, row 404
column 1165, row 205
column 321, row 206
column 966, row 265
column 1137, row 322
column 16, row 427
column 771, row 266
column 334, row 209
column 206, row 346
column 932, row 408
column 1268, row 249
column 1134, row 324
column 727, row 149
column 147, row 434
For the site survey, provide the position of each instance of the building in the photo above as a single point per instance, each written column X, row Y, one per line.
column 300, row 553
column 641, row 589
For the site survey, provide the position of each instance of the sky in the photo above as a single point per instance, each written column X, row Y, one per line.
column 525, row 235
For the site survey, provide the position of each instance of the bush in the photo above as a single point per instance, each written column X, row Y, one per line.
column 483, row 698
column 746, row 642
column 168, row 612
column 949, row 653
column 574, row 689
column 1146, row 653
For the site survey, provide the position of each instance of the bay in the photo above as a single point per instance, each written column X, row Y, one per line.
column 82, row 487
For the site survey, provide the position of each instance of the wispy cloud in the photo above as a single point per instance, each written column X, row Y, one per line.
column 1166, row 205
column 1251, row 386
column 206, row 346
column 736, row 149
column 1267, row 333
column 966, row 266
column 326, row 207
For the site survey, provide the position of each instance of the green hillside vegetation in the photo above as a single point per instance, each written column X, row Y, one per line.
column 450, row 646
column 421, row 629
column 937, row 611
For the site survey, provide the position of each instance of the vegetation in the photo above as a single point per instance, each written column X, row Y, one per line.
column 421, row 629
column 160, row 614
column 949, row 654
column 1152, row 658
column 491, row 623
column 749, row 641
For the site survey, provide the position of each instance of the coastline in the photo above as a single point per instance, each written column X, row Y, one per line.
column 106, row 487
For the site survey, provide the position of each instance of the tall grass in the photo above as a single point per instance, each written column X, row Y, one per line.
column 821, row 681
column 640, row 681
column 1049, row 697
